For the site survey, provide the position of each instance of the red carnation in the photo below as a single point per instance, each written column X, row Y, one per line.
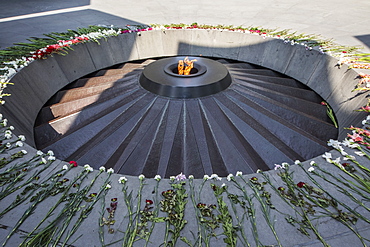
column 149, row 202
column 73, row 163
column 301, row 184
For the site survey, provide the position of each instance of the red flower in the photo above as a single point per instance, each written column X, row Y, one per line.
column 73, row 163
column 301, row 184
column 253, row 179
column 345, row 164
column 281, row 188
column 149, row 202
column 113, row 199
column 323, row 103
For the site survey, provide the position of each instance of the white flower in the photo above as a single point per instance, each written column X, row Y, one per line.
column 19, row 144
column 341, row 150
column 337, row 160
column 51, row 158
column 311, row 169
column 141, row 176
column 22, row 138
column 8, row 135
column 259, row 171
column 327, row 156
column 88, row 168
column 8, row 144
column 108, row 186
column 122, row 180
column 238, row 173
column 349, row 144
column 359, row 153
column 215, row 176
column 172, row 178
column 39, row 153
column 284, row 165
column 50, row 152
column 24, row 151
column 349, row 157
column 180, row 177
column 333, row 143
column 110, row 170
column 11, row 127
column 312, row 163
column 229, row 177
column 297, row 162
column 206, row 177
column 191, row 177
column 65, row 167
column 102, row 169
column 43, row 160
column 223, row 185
column 157, row 177
column 277, row 167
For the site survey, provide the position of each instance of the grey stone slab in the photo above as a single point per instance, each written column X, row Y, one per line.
column 325, row 77
column 227, row 44
column 203, row 42
column 278, row 55
column 77, row 63
column 176, row 42
column 306, row 62
column 102, row 54
column 149, row 44
column 253, row 48
column 127, row 47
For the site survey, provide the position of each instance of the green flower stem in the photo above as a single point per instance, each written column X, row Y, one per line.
column 127, row 199
column 85, row 212
column 176, row 216
column 39, row 198
column 11, row 188
column 240, row 227
column 133, row 232
column 286, row 178
column 71, row 209
column 201, row 231
column 327, row 210
column 365, row 184
column 45, row 231
column 344, row 191
column 265, row 210
column 250, row 211
column 101, row 224
column 156, row 211
column 340, row 181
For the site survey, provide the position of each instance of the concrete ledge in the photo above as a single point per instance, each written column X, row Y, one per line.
column 35, row 84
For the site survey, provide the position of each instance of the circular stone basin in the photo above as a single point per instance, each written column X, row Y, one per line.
column 207, row 77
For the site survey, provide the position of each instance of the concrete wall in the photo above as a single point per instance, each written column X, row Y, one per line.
column 35, row 84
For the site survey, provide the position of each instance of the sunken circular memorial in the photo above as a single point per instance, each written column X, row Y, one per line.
column 179, row 77
column 193, row 115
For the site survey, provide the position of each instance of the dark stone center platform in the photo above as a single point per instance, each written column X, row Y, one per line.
column 207, row 77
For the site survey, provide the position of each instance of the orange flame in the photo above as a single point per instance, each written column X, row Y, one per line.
column 184, row 67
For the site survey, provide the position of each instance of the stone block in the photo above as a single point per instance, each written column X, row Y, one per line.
column 106, row 53
column 126, row 48
column 302, row 63
column 149, row 44
column 176, row 42
column 278, row 55
column 77, row 63
column 253, row 48
column 227, row 44
column 202, row 43
column 325, row 77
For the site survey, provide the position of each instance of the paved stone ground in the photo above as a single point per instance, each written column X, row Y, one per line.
column 345, row 21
